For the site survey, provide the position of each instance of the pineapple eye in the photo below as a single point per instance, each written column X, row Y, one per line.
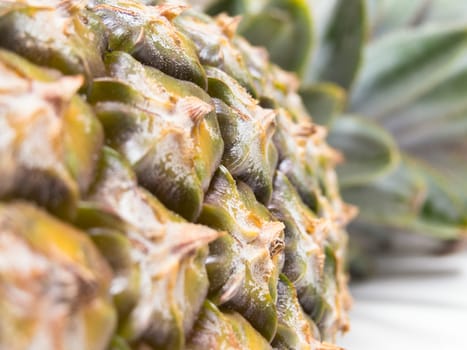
column 276, row 247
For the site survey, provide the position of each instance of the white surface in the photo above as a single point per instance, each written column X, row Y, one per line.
column 413, row 303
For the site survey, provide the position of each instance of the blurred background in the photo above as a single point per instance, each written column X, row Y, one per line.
column 411, row 302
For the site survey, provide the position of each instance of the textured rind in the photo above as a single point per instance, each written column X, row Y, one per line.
column 54, row 284
column 161, row 272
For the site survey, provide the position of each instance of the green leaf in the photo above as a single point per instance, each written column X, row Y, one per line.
column 432, row 133
column 323, row 101
column 284, row 27
column 441, row 202
column 434, row 126
column 412, row 198
column 449, row 159
column 234, row 7
column 390, row 198
column 386, row 16
column 402, row 67
column 447, row 11
column 436, row 116
column 389, row 15
column 340, row 34
column 368, row 150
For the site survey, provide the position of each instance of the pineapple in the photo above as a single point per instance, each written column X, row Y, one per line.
column 163, row 186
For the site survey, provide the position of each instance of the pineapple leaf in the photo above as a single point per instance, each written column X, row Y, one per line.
column 436, row 116
column 388, row 15
column 412, row 198
column 447, row 10
column 340, row 35
column 284, row 27
column 448, row 158
column 236, row 6
column 369, row 151
column 324, row 101
column 402, row 67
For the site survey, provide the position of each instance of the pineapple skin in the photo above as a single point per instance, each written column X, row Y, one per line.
column 182, row 169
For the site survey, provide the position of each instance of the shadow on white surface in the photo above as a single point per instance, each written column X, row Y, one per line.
column 412, row 303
